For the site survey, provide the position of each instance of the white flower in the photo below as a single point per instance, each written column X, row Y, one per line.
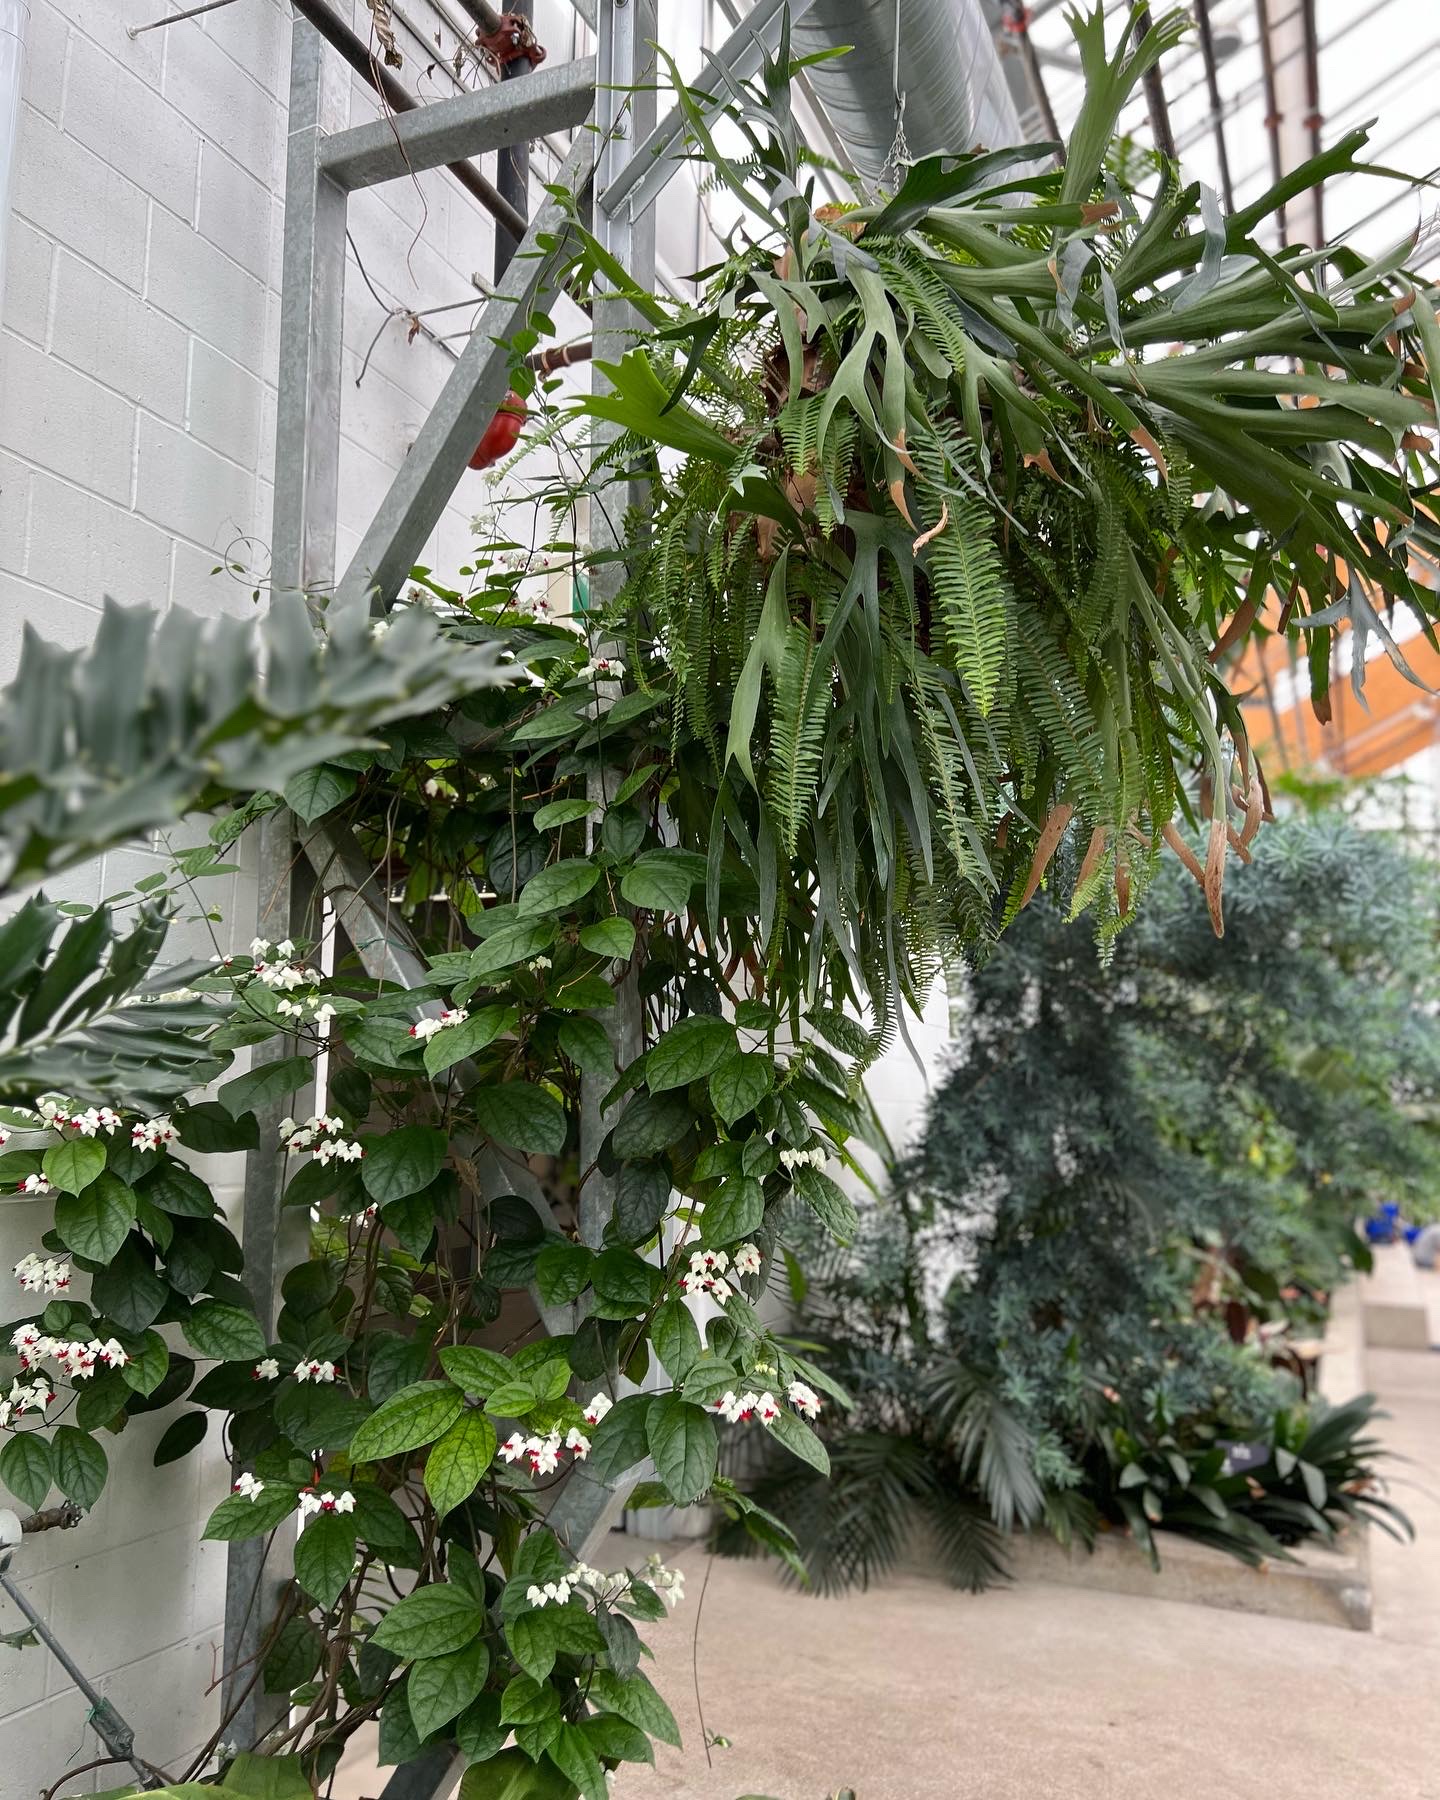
column 379, row 629
column 334, row 1147
column 150, row 1134
column 424, row 1029
column 26, row 1341
column 514, row 1447
column 259, row 949
column 748, row 1260
column 738, row 1409
column 314, row 1370
column 558, row 1591
column 112, row 1353
column 288, row 976
column 285, row 949
column 53, row 1111
column 544, row 1453
column 249, row 1487
column 37, row 1277
column 668, row 1583
column 803, row 1399
column 576, row 1440
column 538, row 964
column 337, row 1503
column 597, row 1409
column 309, row 1503
column 323, row 1014
column 34, row 1184
column 95, row 1118
column 536, row 1595
column 767, row 1408
column 267, row 1369
column 287, row 1009
column 803, row 1159
column 605, row 668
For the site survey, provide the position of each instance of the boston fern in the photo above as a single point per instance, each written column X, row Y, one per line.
column 920, row 607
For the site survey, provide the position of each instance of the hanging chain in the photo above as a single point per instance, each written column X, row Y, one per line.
column 898, row 161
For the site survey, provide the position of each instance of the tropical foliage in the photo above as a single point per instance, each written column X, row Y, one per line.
column 633, row 873
column 1104, row 1264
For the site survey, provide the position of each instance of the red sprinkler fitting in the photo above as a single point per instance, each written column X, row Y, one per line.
column 502, row 433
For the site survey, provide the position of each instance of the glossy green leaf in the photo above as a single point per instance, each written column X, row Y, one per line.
column 441, row 1687
column 522, row 1116
column 416, row 1416
column 682, row 1441
column 456, row 1463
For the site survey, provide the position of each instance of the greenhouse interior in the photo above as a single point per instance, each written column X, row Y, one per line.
column 719, row 963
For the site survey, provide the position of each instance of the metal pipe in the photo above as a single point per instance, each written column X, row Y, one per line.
column 14, row 16
column 1155, row 95
column 947, row 68
column 1212, row 82
column 484, row 16
column 109, row 1726
column 1272, row 111
column 1313, row 118
column 399, row 99
column 194, row 12
column 1015, row 20
column 512, row 164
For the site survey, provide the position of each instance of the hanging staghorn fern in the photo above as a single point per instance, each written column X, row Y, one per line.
column 972, row 483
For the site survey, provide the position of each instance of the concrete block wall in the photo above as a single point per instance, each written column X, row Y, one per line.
column 138, row 342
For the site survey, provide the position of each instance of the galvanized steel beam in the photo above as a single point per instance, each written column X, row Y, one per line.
column 468, row 401
column 449, row 131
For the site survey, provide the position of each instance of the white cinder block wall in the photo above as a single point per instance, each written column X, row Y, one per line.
column 137, row 366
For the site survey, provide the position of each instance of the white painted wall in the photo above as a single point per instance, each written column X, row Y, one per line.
column 140, row 328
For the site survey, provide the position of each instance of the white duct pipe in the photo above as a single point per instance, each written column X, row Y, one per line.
column 14, row 17
column 947, row 69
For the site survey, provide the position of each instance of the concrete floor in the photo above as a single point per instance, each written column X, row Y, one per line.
column 913, row 1692
column 1038, row 1692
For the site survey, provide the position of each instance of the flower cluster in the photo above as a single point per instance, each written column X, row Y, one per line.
column 804, row 1399
column 803, row 1159
column 611, row 1588
column 25, row 1397
column 249, row 1487
column 437, row 788
column 150, row 1134
column 424, row 1029
column 319, row 1012
column 74, row 1359
column 604, row 668
column 94, row 1119
column 597, row 1408
column 739, row 1409
column 329, row 1130
column 34, row 1184
column 311, row 1502
column 37, row 1277
column 286, row 971
column 707, row 1275
column 746, row 1261
column 267, row 1369
column 558, row 1591
column 544, row 1453
column 310, row 1370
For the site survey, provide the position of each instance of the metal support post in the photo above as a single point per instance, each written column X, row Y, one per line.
column 307, row 452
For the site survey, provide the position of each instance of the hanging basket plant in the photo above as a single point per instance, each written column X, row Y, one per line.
column 980, row 489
